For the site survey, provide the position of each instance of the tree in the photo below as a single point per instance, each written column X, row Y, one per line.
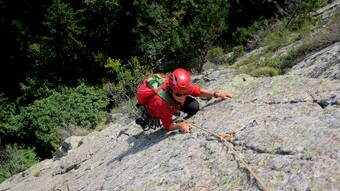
column 202, row 24
column 20, row 22
column 179, row 30
column 101, row 19
column 59, row 56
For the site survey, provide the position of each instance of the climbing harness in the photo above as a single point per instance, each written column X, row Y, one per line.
column 146, row 121
column 225, row 139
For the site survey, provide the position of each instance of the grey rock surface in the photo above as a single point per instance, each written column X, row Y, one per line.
column 322, row 64
column 291, row 141
column 328, row 11
column 69, row 144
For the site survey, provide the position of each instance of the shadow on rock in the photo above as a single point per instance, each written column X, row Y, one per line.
column 142, row 141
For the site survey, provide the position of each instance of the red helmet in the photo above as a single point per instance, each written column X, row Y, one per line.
column 180, row 82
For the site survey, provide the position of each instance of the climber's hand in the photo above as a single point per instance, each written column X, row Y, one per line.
column 182, row 127
column 224, row 95
column 185, row 127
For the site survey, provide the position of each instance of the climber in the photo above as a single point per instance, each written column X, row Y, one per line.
column 159, row 98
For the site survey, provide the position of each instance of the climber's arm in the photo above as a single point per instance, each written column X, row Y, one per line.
column 208, row 93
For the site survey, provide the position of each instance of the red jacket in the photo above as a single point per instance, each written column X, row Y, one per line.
column 159, row 108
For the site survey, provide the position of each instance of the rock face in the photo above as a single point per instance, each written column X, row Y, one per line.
column 292, row 142
column 324, row 64
column 329, row 10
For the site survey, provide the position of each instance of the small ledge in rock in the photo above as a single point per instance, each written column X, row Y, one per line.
column 326, row 102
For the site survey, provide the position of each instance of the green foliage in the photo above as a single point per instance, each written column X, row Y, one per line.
column 152, row 29
column 63, row 28
column 55, row 45
column 101, row 19
column 264, row 71
column 278, row 35
column 34, row 89
column 265, row 65
column 180, row 30
column 113, row 65
column 129, row 78
column 14, row 160
column 275, row 39
column 60, row 52
column 292, row 27
column 82, row 106
column 243, row 34
column 237, row 52
column 206, row 25
column 303, row 13
column 7, row 110
column 215, row 54
column 249, row 64
column 279, row 38
column 312, row 43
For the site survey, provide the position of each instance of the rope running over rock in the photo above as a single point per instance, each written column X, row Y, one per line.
column 225, row 141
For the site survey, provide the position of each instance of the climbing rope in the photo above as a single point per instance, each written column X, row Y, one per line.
column 225, row 140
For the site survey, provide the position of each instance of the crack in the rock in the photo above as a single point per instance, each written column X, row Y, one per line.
column 323, row 103
column 277, row 151
column 74, row 166
column 286, row 102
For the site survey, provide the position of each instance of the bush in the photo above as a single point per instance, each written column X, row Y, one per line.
column 14, row 160
column 264, row 65
column 129, row 78
column 243, row 34
column 38, row 123
column 215, row 54
column 238, row 51
column 264, row 71
column 298, row 26
column 34, row 89
column 303, row 13
column 279, row 38
column 311, row 43
column 289, row 29
column 7, row 110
